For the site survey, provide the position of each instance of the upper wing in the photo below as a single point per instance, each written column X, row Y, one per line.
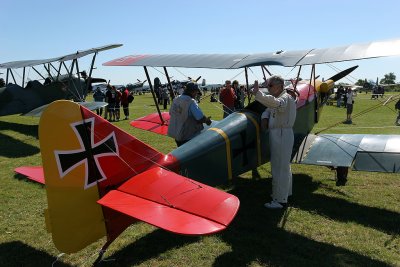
column 380, row 153
column 281, row 57
column 173, row 202
column 77, row 54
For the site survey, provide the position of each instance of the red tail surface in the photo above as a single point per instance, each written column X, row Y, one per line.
column 87, row 161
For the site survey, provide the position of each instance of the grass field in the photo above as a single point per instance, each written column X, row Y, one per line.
column 325, row 225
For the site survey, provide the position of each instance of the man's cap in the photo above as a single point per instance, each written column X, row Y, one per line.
column 191, row 87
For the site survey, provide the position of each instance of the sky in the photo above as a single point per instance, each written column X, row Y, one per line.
column 48, row 28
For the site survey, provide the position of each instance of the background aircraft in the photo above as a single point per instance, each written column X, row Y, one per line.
column 30, row 97
column 136, row 87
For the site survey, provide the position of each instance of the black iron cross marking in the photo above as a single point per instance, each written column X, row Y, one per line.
column 87, row 154
column 245, row 146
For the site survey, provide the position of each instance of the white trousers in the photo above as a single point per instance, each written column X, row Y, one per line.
column 281, row 142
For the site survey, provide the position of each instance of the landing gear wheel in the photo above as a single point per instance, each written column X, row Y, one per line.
column 341, row 176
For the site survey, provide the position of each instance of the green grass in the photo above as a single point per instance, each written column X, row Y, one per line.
column 325, row 225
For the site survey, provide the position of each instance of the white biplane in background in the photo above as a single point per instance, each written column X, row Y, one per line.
column 59, row 82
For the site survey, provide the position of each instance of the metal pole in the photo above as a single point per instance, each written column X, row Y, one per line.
column 65, row 66
column 89, row 78
column 79, row 81
column 59, row 70
column 247, row 85
column 48, row 71
column 311, row 76
column 12, row 75
column 265, row 78
column 171, row 91
column 23, row 77
column 53, row 66
column 265, row 68
column 38, row 73
column 297, row 79
column 154, row 96
column 8, row 71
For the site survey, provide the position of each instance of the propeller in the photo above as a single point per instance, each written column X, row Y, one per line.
column 342, row 74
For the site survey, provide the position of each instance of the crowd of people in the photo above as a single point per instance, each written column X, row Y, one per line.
column 232, row 97
column 115, row 98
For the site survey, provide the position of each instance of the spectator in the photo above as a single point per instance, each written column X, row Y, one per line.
column 227, row 97
column 397, row 107
column 187, row 118
column 282, row 115
column 349, row 105
column 125, row 102
column 99, row 96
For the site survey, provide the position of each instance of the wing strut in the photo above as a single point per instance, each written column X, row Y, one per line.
column 247, row 85
column 171, row 91
column 23, row 77
column 38, row 72
column 152, row 92
column 48, row 71
column 88, row 81
column 12, row 75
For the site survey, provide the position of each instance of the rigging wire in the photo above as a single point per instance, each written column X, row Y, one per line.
column 180, row 72
column 361, row 113
column 348, row 76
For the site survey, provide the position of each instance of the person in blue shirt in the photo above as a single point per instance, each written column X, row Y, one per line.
column 186, row 117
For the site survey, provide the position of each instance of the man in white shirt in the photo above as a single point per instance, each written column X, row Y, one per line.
column 282, row 115
column 349, row 104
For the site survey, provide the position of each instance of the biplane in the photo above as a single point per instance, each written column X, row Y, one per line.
column 237, row 142
column 30, row 97
column 100, row 179
column 136, row 87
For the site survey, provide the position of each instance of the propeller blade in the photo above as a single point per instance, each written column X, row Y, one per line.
column 342, row 74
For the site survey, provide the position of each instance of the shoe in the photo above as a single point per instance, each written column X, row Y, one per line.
column 255, row 174
column 273, row 205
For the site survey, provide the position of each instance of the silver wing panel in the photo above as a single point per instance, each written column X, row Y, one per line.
column 281, row 57
column 77, row 54
column 353, row 52
column 380, row 153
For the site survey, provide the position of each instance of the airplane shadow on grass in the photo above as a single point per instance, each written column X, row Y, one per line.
column 14, row 148
column 255, row 237
column 16, row 253
column 147, row 247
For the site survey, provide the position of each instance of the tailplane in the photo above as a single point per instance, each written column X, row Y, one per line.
column 84, row 157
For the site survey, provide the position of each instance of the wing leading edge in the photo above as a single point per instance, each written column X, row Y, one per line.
column 77, row 54
column 281, row 57
column 379, row 153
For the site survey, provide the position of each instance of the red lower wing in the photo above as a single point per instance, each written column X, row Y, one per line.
column 173, row 202
column 153, row 123
column 34, row 173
